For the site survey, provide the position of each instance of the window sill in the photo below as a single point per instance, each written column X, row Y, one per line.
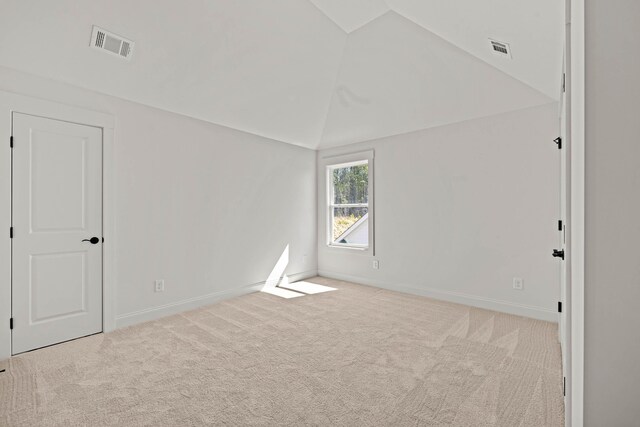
column 353, row 248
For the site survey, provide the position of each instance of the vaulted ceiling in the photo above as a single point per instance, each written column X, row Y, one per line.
column 315, row 73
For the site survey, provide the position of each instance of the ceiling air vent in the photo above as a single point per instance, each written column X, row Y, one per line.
column 500, row 48
column 111, row 43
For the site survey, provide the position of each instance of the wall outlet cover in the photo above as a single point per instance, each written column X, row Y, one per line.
column 159, row 285
column 518, row 283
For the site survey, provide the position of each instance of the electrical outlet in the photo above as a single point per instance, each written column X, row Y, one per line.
column 376, row 264
column 518, row 283
column 159, row 285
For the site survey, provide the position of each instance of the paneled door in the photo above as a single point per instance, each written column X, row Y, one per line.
column 57, row 232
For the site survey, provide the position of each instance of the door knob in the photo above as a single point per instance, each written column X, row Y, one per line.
column 558, row 254
column 93, row 240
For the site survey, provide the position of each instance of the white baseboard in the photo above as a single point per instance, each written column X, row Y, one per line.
column 457, row 297
column 158, row 312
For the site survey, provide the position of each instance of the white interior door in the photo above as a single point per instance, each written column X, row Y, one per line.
column 565, row 235
column 56, row 211
column 562, row 244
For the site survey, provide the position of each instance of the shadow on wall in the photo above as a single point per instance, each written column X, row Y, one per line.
column 278, row 283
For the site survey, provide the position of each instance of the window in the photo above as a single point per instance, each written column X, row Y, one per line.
column 350, row 217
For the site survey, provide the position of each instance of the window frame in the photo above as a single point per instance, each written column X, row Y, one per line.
column 336, row 162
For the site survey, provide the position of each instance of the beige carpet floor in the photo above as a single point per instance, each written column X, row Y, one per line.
column 357, row 356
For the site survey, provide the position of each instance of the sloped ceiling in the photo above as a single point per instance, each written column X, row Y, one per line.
column 381, row 89
column 314, row 73
column 352, row 14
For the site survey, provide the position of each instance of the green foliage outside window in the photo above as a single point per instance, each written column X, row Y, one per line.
column 350, row 186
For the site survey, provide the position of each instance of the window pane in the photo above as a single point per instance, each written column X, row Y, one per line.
column 351, row 184
column 350, row 226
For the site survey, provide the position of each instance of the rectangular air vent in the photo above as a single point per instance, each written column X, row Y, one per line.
column 500, row 48
column 111, row 43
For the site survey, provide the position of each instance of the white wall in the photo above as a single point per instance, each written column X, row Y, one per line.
column 206, row 208
column 612, row 214
column 482, row 202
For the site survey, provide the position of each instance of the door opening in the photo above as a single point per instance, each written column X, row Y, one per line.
column 57, row 229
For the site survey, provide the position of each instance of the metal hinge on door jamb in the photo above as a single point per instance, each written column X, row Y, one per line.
column 11, row 141
column 11, row 323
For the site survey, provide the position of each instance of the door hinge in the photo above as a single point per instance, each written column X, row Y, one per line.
column 11, row 323
column 558, row 254
column 559, row 306
column 564, row 386
column 558, row 141
column 559, row 225
column 11, row 232
column 564, row 82
column 11, row 141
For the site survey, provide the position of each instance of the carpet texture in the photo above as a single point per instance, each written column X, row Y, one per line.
column 356, row 356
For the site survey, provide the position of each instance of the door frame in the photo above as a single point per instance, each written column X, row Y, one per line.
column 577, row 207
column 10, row 103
